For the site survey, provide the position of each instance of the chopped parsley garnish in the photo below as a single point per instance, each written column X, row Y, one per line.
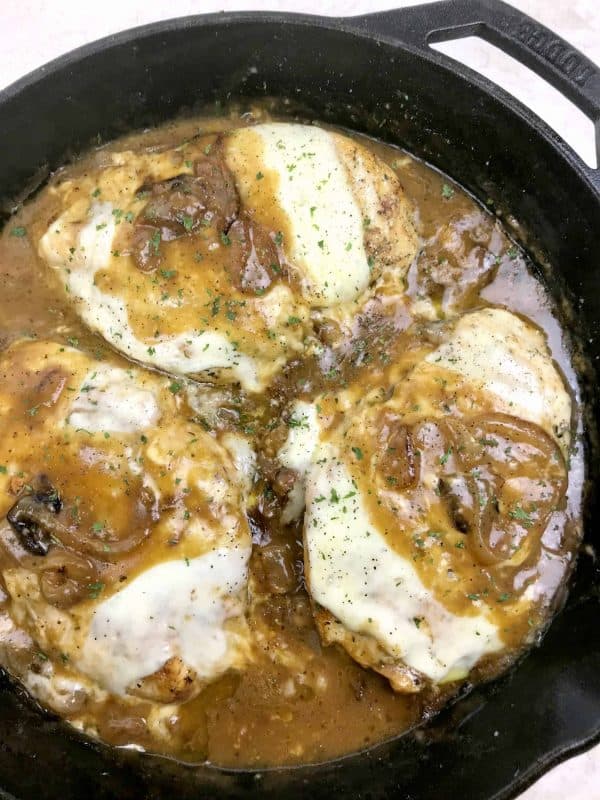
column 188, row 223
column 95, row 589
column 3, row 469
column 294, row 321
column 279, row 238
column 447, row 191
column 521, row 515
column 155, row 241
column 358, row 453
column 19, row 232
column 98, row 527
column 259, row 176
column 168, row 273
column 295, row 422
column 446, row 456
column 175, row 387
column 334, row 496
column 226, row 240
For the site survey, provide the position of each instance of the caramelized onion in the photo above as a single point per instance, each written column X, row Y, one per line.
column 66, row 577
column 397, row 461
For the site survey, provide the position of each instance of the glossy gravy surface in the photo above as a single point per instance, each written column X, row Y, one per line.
column 299, row 700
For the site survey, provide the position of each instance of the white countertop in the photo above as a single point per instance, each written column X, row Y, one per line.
column 35, row 31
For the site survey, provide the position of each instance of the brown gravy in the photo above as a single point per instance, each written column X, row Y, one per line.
column 318, row 704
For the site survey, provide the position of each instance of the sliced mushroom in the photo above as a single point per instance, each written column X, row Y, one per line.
column 33, row 517
column 253, row 260
column 183, row 206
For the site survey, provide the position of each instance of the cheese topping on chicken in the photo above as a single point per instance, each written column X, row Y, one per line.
column 126, row 525
column 421, row 507
column 158, row 254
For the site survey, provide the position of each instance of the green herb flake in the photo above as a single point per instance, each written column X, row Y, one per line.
column 155, row 241
column 446, row 456
column 447, row 192
column 521, row 515
column 188, row 222
column 175, row 387
column 259, row 176
column 18, row 232
column 95, row 589
column 358, row 453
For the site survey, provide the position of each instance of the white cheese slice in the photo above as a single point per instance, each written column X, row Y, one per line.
column 325, row 224
column 188, row 353
column 177, row 608
column 372, row 589
column 110, row 399
column 507, row 358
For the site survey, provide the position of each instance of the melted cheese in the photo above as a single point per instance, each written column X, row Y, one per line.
column 297, row 452
column 110, row 399
column 357, row 576
column 185, row 559
column 187, row 353
column 177, row 608
column 324, row 221
column 344, row 219
column 507, row 359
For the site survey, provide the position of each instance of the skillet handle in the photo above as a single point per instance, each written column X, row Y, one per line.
column 530, row 42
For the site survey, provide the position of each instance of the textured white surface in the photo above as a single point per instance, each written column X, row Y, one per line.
column 34, row 31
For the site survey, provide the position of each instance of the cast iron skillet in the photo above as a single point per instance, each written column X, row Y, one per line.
column 377, row 74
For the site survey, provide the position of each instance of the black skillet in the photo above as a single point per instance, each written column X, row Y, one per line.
column 375, row 74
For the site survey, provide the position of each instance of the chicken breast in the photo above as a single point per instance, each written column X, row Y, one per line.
column 205, row 260
column 124, row 533
column 431, row 515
